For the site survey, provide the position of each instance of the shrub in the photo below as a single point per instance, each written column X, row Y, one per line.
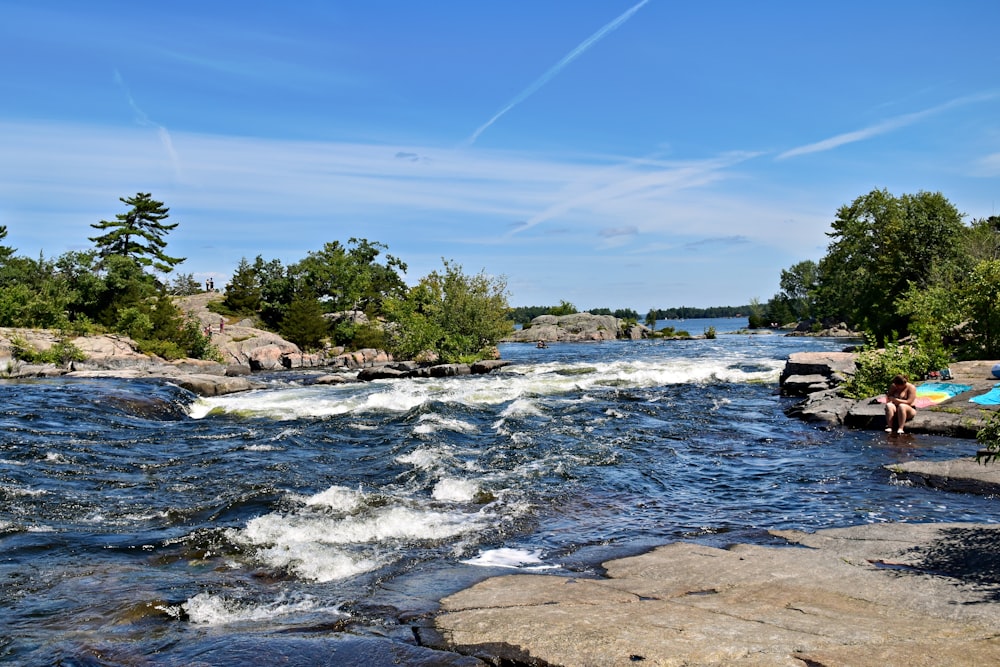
column 60, row 353
column 876, row 368
column 710, row 332
column 989, row 437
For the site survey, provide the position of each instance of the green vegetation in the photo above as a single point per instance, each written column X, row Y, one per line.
column 876, row 367
column 107, row 288
column 989, row 437
column 457, row 316
column 61, row 352
column 120, row 286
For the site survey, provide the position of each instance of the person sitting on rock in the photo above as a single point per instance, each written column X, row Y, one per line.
column 899, row 402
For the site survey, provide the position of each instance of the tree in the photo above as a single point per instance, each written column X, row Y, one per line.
column 564, row 308
column 303, row 323
column 6, row 252
column 243, row 292
column 138, row 233
column 184, row 284
column 982, row 300
column 798, row 285
column 460, row 317
column 881, row 246
column 351, row 278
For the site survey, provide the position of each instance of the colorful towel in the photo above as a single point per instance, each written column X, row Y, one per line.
column 992, row 397
column 938, row 392
column 931, row 393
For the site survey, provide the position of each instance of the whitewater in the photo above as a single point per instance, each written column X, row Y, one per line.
column 141, row 524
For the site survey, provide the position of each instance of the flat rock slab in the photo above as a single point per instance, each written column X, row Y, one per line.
column 877, row 595
column 965, row 475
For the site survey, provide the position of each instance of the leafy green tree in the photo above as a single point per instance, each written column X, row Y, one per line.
column 798, row 285
column 651, row 318
column 881, row 246
column 982, row 302
column 125, row 285
column 138, row 233
column 461, row 317
column 33, row 294
column 982, row 239
column 416, row 320
column 351, row 277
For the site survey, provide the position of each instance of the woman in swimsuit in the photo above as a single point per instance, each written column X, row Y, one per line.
column 899, row 402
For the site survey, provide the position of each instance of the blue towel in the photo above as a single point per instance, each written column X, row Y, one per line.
column 992, row 397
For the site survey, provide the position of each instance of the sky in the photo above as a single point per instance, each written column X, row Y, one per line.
column 609, row 153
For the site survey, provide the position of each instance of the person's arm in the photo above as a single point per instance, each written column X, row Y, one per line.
column 910, row 394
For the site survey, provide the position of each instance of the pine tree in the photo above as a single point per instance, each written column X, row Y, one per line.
column 304, row 323
column 138, row 233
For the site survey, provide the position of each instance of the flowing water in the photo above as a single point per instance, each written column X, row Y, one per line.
column 142, row 525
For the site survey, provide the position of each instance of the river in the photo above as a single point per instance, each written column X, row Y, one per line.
column 142, row 525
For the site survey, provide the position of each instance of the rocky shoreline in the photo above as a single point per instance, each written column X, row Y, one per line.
column 874, row 595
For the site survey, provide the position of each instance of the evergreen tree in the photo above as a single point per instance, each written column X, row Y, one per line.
column 6, row 252
column 138, row 233
column 243, row 292
column 303, row 323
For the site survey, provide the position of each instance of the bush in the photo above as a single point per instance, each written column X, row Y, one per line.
column 876, row 368
column 989, row 437
column 61, row 353
column 710, row 333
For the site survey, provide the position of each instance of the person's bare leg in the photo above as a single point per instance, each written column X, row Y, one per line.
column 890, row 415
column 905, row 412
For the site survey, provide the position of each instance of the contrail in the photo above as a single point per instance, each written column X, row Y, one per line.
column 143, row 119
column 555, row 69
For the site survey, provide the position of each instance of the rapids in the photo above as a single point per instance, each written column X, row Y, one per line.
column 140, row 524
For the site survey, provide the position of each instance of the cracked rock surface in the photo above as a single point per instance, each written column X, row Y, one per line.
column 879, row 595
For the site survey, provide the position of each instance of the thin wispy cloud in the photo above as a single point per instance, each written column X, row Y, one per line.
column 883, row 127
column 144, row 120
column 558, row 67
column 652, row 183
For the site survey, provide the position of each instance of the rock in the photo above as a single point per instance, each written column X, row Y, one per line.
column 488, row 365
column 334, row 379
column 826, row 364
column 212, row 385
column 382, row 373
column 450, row 370
column 877, row 595
column 823, row 406
column 569, row 328
column 964, row 475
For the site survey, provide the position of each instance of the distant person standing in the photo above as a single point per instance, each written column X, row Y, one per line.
column 222, row 324
column 899, row 400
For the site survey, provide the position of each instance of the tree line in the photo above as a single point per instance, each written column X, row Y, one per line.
column 121, row 285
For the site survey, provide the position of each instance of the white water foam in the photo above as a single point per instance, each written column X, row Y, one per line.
column 455, row 490
column 207, row 609
column 335, row 534
column 511, row 558
column 519, row 386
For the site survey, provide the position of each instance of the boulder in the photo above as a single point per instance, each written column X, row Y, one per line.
column 577, row 327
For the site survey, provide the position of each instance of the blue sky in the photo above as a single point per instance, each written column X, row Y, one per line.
column 608, row 153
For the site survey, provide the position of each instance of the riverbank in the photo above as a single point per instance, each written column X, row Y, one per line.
column 874, row 595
